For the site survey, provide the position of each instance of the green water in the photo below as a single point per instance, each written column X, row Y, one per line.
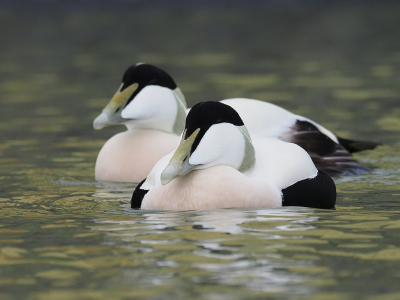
column 65, row 236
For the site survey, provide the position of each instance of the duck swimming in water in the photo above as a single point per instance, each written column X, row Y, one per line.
column 217, row 165
column 153, row 109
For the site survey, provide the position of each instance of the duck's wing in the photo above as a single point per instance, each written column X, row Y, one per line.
column 262, row 119
column 289, row 167
column 327, row 155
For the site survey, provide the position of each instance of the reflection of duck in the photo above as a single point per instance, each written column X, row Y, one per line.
column 153, row 109
column 217, row 166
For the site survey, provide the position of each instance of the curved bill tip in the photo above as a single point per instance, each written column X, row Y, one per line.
column 168, row 175
column 100, row 122
column 179, row 164
column 176, row 168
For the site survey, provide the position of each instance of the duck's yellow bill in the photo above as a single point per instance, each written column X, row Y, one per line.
column 179, row 164
column 111, row 114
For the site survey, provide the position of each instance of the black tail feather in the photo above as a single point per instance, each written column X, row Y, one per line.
column 357, row 146
column 338, row 165
column 327, row 155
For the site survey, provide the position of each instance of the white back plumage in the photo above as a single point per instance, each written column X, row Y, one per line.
column 265, row 119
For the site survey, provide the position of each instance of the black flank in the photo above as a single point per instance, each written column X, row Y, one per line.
column 205, row 114
column 318, row 192
column 138, row 195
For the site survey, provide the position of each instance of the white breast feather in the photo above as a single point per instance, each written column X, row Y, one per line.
column 215, row 187
column 129, row 156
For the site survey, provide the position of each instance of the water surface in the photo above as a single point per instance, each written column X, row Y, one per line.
column 65, row 236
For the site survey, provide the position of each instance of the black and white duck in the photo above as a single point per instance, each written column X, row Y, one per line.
column 153, row 109
column 218, row 165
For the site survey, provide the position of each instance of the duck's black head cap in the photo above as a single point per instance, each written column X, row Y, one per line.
column 205, row 114
column 144, row 75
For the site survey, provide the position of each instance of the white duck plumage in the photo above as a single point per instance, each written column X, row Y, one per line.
column 154, row 110
column 218, row 166
column 265, row 119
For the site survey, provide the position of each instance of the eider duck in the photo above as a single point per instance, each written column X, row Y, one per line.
column 330, row 153
column 217, row 165
column 153, row 109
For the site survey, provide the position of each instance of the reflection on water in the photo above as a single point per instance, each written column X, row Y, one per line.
column 214, row 242
column 215, row 254
column 65, row 236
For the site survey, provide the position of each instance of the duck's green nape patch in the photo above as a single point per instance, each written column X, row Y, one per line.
column 179, row 125
column 249, row 159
